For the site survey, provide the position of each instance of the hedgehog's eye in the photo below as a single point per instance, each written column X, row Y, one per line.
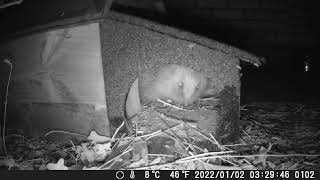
column 180, row 84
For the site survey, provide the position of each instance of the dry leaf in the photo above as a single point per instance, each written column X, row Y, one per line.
column 87, row 156
column 101, row 151
column 141, row 162
column 156, row 161
column 95, row 138
column 58, row 166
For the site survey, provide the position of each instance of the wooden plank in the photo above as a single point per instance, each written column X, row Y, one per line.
column 61, row 66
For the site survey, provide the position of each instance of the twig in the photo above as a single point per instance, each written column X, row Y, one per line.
column 232, row 145
column 114, row 135
column 5, row 5
column 163, row 119
column 5, row 106
column 246, row 133
column 151, row 135
column 216, row 142
column 118, row 142
column 176, row 107
column 161, row 155
column 299, row 109
column 213, row 154
column 66, row 132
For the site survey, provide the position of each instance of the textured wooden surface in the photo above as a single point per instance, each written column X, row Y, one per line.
column 57, row 82
column 61, row 66
column 129, row 49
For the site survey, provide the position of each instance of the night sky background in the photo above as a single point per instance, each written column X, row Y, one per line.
column 285, row 32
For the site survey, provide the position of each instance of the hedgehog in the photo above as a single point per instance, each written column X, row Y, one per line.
column 173, row 83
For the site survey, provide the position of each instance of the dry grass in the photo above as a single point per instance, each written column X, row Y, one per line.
column 277, row 136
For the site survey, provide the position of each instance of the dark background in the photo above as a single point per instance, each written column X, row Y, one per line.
column 285, row 32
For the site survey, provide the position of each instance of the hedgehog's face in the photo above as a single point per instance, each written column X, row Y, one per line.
column 190, row 88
